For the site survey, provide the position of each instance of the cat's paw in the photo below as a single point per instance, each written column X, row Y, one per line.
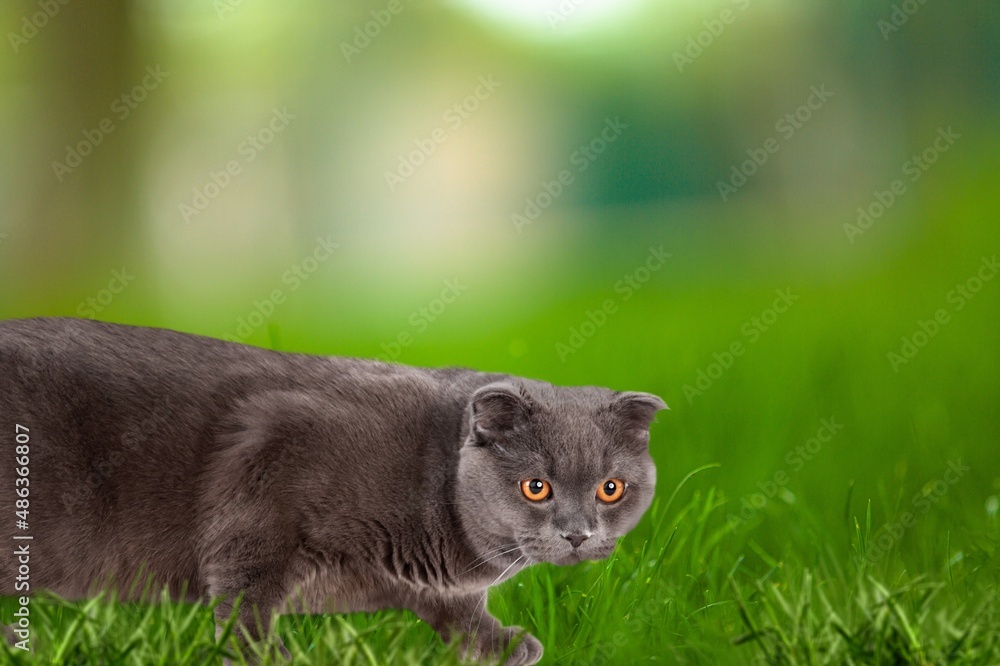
column 527, row 649
column 520, row 648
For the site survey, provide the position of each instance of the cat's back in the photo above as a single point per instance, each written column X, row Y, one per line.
column 85, row 360
column 68, row 344
column 106, row 379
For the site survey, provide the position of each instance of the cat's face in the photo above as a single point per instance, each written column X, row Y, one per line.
column 560, row 473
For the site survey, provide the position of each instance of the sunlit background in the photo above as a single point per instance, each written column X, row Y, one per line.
column 469, row 182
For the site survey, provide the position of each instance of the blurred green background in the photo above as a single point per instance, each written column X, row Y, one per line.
column 471, row 182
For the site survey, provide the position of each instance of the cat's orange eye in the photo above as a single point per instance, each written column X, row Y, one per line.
column 536, row 489
column 611, row 491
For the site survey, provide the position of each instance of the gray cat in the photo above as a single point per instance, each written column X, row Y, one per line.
column 311, row 483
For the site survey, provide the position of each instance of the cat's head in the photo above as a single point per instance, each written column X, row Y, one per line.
column 561, row 473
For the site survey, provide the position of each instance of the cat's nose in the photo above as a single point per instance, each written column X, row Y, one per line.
column 576, row 539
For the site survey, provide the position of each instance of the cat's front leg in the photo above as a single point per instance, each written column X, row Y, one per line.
column 482, row 636
column 263, row 590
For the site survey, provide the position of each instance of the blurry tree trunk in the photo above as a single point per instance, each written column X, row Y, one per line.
column 69, row 75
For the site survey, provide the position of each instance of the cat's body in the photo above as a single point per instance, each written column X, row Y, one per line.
column 331, row 483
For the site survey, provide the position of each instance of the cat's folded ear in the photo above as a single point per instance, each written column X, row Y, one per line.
column 497, row 410
column 636, row 410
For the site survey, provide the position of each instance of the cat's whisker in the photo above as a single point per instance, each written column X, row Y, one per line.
column 482, row 601
column 480, row 559
column 492, row 557
column 481, row 609
column 511, row 566
column 494, row 550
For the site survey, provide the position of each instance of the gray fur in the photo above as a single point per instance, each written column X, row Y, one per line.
column 321, row 484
